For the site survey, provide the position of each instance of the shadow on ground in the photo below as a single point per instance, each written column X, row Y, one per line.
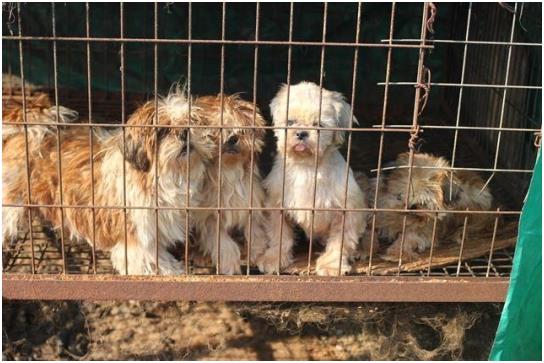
column 257, row 331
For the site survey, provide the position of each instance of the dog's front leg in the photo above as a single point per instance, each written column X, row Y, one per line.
column 142, row 258
column 341, row 245
column 228, row 257
column 412, row 239
column 275, row 257
column 259, row 237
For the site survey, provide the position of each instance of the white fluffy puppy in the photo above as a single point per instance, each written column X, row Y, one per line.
column 300, row 148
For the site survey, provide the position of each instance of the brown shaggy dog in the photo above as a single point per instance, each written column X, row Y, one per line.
column 429, row 190
column 237, row 147
column 144, row 150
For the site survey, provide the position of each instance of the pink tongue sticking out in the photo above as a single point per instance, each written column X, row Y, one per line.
column 300, row 147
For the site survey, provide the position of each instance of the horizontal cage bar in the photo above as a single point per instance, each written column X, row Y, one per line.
column 255, row 288
column 21, row 205
column 467, row 85
column 466, row 42
column 214, row 41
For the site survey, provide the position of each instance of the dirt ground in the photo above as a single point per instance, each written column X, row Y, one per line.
column 242, row 331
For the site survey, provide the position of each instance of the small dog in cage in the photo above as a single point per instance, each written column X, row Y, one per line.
column 236, row 147
column 39, row 109
column 138, row 153
column 430, row 189
column 300, row 147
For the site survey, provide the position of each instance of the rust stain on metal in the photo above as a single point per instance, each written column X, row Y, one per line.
column 254, row 288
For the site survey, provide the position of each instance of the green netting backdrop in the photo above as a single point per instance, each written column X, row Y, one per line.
column 206, row 59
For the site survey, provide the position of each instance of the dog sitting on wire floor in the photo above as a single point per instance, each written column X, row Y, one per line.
column 238, row 147
column 298, row 107
column 137, row 168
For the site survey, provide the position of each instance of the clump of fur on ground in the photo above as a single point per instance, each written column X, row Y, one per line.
column 385, row 331
column 134, row 330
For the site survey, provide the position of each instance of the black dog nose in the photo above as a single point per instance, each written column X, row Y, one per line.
column 232, row 140
column 183, row 135
column 301, row 135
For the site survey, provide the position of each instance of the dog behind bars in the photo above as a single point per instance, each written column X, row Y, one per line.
column 143, row 150
column 40, row 114
column 299, row 147
column 237, row 146
column 430, row 189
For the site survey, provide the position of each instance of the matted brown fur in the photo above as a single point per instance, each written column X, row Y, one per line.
column 236, row 112
column 144, row 150
column 429, row 190
column 237, row 147
column 12, row 109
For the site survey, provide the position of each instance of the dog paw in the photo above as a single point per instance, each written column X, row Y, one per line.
column 328, row 266
column 268, row 262
column 393, row 253
column 230, row 261
column 230, row 267
column 172, row 269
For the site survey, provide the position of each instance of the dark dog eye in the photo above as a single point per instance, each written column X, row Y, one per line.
column 162, row 132
column 413, row 207
column 290, row 122
column 232, row 140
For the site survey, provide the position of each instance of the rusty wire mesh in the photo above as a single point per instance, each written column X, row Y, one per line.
column 42, row 251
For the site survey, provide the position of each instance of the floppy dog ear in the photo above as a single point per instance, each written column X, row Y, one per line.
column 259, row 121
column 135, row 154
column 343, row 115
column 140, row 141
column 278, row 105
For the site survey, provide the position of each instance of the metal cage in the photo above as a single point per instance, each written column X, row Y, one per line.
column 481, row 110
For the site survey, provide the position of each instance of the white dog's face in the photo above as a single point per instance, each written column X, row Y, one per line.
column 304, row 112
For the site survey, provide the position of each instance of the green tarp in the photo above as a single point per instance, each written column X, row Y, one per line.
column 519, row 336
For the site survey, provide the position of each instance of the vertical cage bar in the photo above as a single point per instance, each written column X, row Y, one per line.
column 91, row 146
column 123, row 128
column 59, row 162
column 458, row 116
column 219, row 167
column 433, row 238
column 415, row 122
column 189, row 100
column 10, row 71
column 289, row 59
column 463, row 237
column 382, row 136
column 155, row 130
column 252, row 160
column 350, row 133
column 505, row 89
column 25, row 128
column 492, row 243
column 316, row 158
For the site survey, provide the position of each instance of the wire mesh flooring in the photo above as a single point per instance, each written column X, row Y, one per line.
column 476, row 259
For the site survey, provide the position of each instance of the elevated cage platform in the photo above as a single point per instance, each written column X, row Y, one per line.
column 461, row 81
